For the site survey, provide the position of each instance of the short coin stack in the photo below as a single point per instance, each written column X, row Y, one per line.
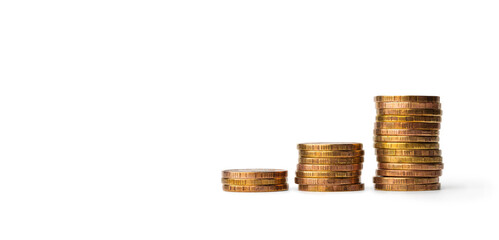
column 254, row 180
column 330, row 167
column 406, row 141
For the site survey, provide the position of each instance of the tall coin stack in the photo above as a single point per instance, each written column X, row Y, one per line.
column 254, row 180
column 406, row 141
column 330, row 167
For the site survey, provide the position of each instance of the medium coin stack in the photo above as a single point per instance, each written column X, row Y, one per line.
column 406, row 141
column 254, row 180
column 330, row 167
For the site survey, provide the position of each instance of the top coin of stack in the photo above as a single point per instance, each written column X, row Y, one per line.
column 406, row 141
column 330, row 167
column 254, row 180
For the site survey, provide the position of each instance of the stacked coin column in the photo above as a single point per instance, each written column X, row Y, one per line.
column 254, row 180
column 330, row 167
column 406, row 141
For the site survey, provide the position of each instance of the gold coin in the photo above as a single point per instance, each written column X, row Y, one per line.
column 409, row 159
column 339, row 168
column 329, row 146
column 254, row 173
column 321, row 154
column 326, row 174
column 407, row 99
column 391, row 118
column 265, row 188
column 332, row 161
column 408, row 152
column 420, row 187
column 406, row 145
column 254, row 181
column 331, row 188
column 405, row 132
column 411, row 166
column 409, row 112
column 326, row 181
column 417, row 105
column 404, row 180
column 406, row 139
column 407, row 125
column 408, row 173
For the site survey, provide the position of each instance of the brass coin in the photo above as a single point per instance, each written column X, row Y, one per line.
column 327, row 174
column 420, row 187
column 405, row 132
column 409, row 159
column 265, row 188
column 406, row 139
column 332, row 161
column 408, row 152
column 321, row 154
column 330, row 146
column 411, row 166
column 417, row 105
column 339, row 168
column 254, row 173
column 392, row 118
column 331, row 188
column 407, row 125
column 408, row 173
column 409, row 112
column 326, row 181
column 404, row 180
column 407, row 99
column 254, row 181
column 406, row 145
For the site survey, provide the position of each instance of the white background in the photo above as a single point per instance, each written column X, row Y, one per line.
column 117, row 117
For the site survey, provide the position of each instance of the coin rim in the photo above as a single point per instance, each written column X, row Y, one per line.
column 359, row 166
column 412, row 173
column 335, row 174
column 393, row 166
column 259, row 188
column 407, row 98
column 332, row 188
column 437, row 187
column 330, row 146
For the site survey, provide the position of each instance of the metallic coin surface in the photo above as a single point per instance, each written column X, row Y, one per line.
column 419, row 187
column 254, row 173
column 406, row 139
column 263, row 188
column 416, row 105
column 407, row 99
column 331, row 188
column 329, row 146
column 407, row 125
column 411, row 166
column 405, row 132
column 409, row 112
column 254, row 181
column 340, row 168
column 392, row 118
column 321, row 154
column 326, row 181
column 327, row 174
column 408, row 173
column 408, row 152
column 406, row 145
column 329, row 161
column 404, row 180
column 408, row 159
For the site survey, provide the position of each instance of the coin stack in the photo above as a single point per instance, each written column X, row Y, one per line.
column 330, row 167
column 406, row 141
column 254, row 180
